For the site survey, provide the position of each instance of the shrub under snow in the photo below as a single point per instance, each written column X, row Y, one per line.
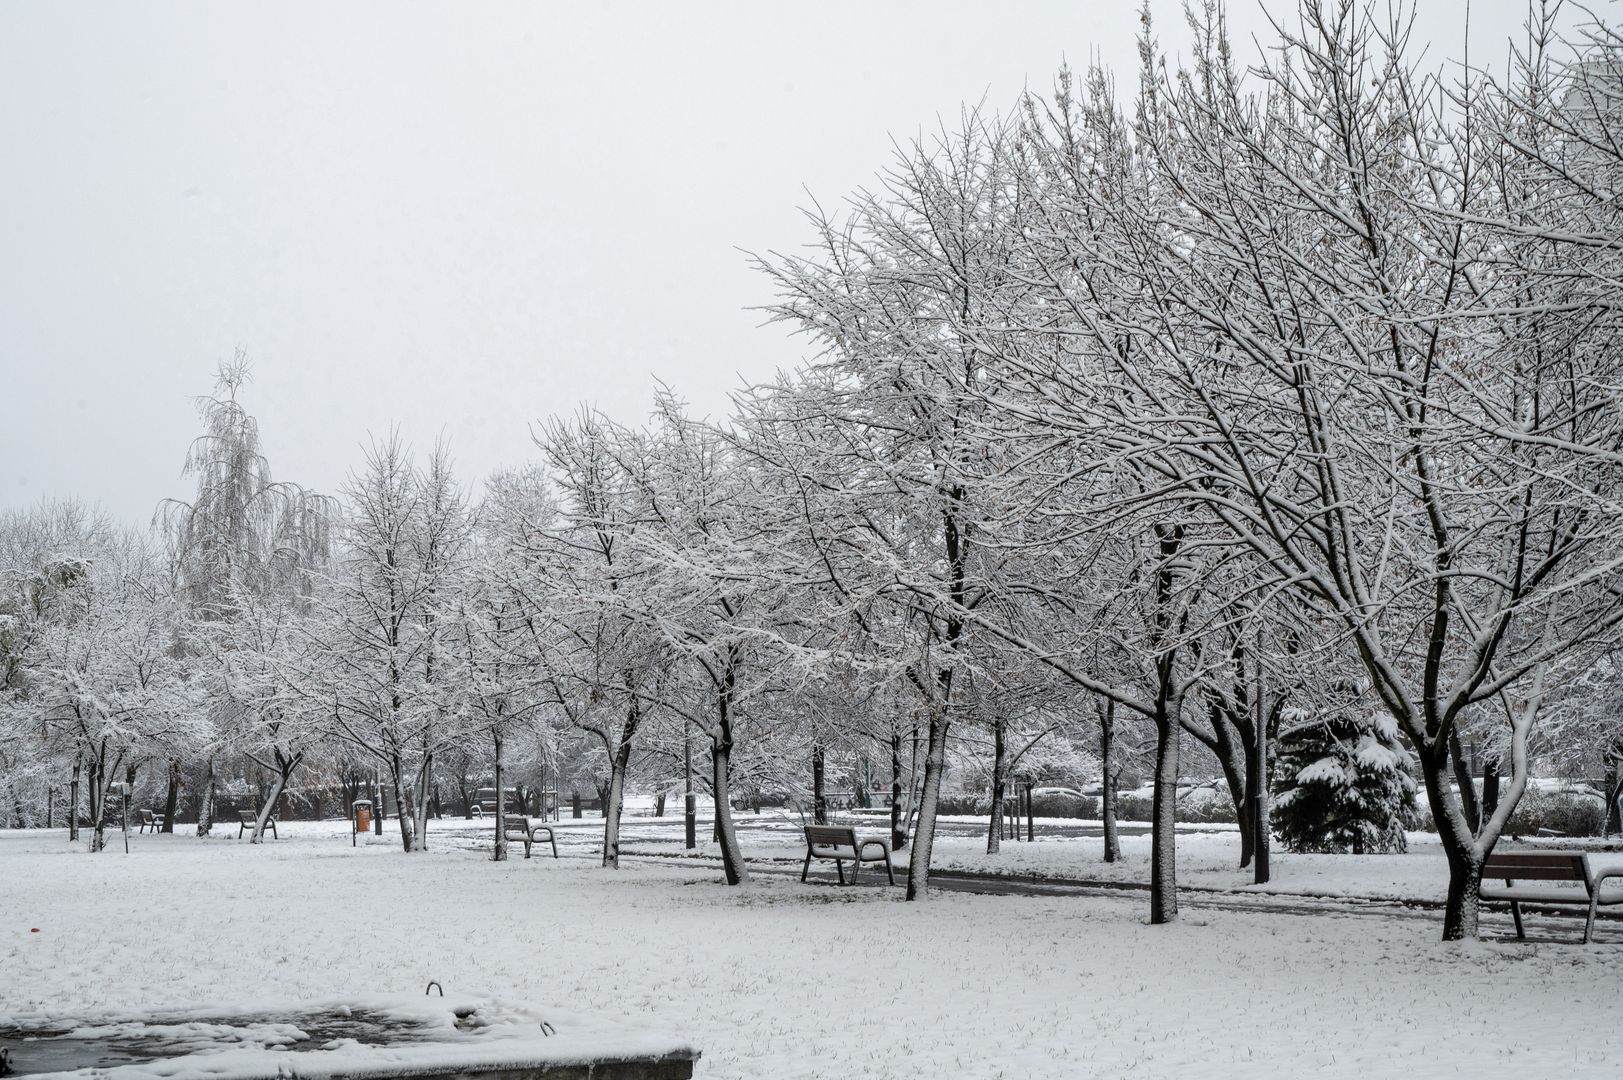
column 1345, row 785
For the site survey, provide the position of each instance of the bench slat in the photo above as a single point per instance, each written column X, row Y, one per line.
column 1533, row 859
column 1537, row 873
column 830, row 834
column 1535, row 866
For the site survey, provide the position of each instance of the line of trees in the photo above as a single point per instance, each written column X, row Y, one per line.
column 1270, row 397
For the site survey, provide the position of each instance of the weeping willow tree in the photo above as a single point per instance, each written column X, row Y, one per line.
column 242, row 534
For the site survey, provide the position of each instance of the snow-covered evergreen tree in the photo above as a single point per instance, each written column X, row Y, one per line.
column 1346, row 784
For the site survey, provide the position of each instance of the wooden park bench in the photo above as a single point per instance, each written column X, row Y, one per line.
column 1547, row 869
column 840, row 843
column 519, row 828
column 248, row 818
column 150, row 820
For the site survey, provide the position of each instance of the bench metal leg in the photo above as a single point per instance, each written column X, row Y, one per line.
column 889, row 872
column 526, row 847
column 553, row 840
column 839, row 868
column 1516, row 913
column 805, row 865
column 1589, row 924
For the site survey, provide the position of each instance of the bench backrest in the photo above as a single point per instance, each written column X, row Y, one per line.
column 518, row 823
column 830, row 836
column 248, row 816
column 1535, row 866
column 146, row 816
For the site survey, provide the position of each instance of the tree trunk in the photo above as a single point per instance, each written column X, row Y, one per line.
column 732, row 855
column 619, row 762
column 205, row 802
column 500, row 854
column 1107, row 782
column 284, row 772
column 1467, row 847
column 659, row 804
column 1614, row 789
column 402, row 804
column 1459, row 845
column 721, row 756
column 1463, row 907
column 423, row 794
column 819, row 795
column 1256, row 779
column 1164, row 814
column 73, row 800
column 935, row 762
column 898, row 826
column 1490, row 787
column 611, row 813
column 98, row 803
column 1462, row 777
column 172, row 799
column 1233, row 761
column 994, row 825
column 899, row 836
column 1168, row 744
column 690, row 802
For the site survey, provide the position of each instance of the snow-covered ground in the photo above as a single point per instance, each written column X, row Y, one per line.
column 780, row 979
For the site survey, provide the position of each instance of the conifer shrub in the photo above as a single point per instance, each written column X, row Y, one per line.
column 1345, row 785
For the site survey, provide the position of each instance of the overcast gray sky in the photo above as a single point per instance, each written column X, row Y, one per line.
column 456, row 219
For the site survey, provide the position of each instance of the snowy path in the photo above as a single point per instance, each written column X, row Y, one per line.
column 965, row 985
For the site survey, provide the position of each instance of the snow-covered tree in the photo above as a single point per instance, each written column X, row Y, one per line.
column 266, row 710
column 45, row 551
column 884, row 437
column 106, row 685
column 389, row 657
column 1346, row 784
column 507, row 687
column 604, row 664
column 243, row 537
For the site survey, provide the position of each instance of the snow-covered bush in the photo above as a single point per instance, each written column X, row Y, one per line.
column 1202, row 808
column 1345, row 785
column 1568, row 813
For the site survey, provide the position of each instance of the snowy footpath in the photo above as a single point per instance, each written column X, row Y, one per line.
column 779, row 979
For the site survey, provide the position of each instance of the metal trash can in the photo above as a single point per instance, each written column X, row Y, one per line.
column 363, row 815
